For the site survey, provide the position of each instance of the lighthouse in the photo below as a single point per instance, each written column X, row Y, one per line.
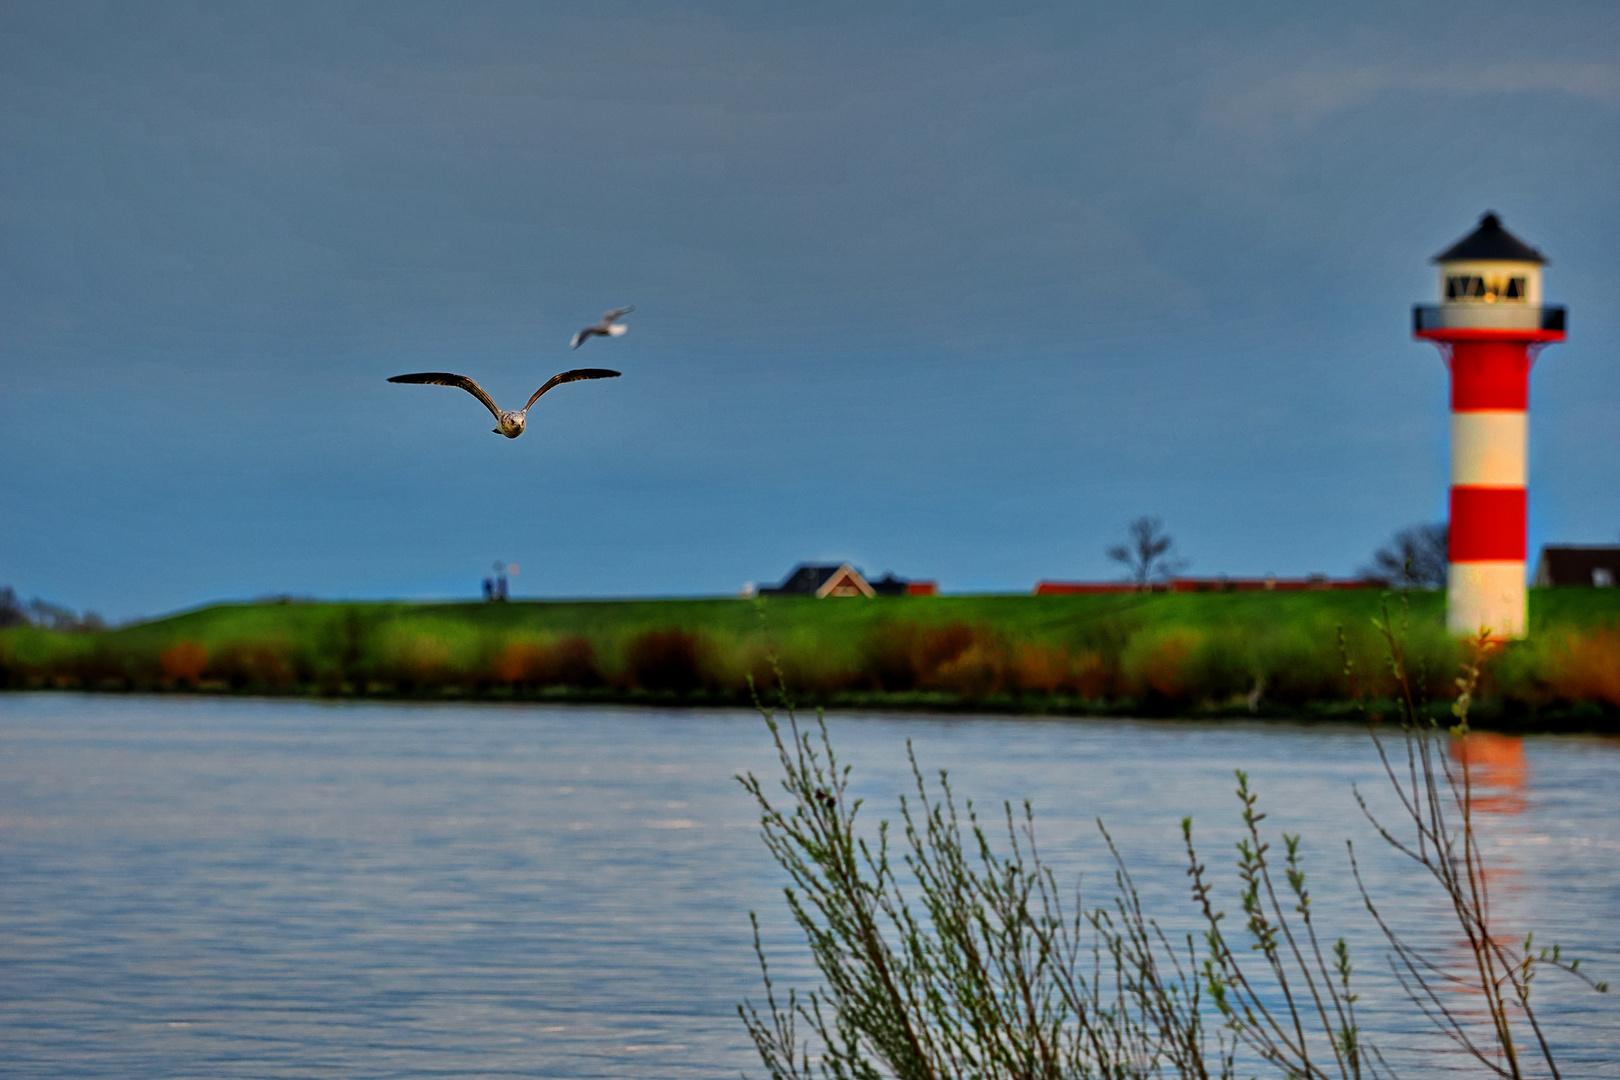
column 1489, row 325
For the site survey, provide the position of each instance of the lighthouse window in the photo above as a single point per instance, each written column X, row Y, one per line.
column 1471, row 287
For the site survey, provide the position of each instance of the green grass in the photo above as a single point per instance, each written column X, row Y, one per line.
column 1169, row 653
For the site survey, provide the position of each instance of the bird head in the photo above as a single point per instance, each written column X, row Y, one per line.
column 511, row 425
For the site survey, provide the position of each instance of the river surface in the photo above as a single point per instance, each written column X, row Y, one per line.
column 195, row 887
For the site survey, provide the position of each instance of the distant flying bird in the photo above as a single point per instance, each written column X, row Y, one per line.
column 606, row 328
column 509, row 424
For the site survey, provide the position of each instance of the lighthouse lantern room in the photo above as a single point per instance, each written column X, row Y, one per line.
column 1489, row 325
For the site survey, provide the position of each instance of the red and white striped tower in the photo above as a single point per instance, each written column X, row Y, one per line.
column 1489, row 325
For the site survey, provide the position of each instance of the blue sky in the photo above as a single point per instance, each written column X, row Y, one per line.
column 937, row 291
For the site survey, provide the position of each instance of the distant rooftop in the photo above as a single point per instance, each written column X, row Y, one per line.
column 1490, row 243
column 1568, row 564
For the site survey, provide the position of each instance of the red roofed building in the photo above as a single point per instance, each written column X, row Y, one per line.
column 1216, row 584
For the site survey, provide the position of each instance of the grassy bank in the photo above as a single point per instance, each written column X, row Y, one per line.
column 1160, row 654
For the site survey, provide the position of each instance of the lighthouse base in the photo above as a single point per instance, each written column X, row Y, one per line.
column 1489, row 596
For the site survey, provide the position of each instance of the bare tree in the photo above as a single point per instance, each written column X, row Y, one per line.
column 1415, row 558
column 37, row 612
column 11, row 609
column 1149, row 555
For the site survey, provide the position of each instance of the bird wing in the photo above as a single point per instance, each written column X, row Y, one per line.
column 608, row 317
column 579, row 337
column 444, row 378
column 571, row 376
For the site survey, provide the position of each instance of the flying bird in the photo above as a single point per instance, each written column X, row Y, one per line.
column 507, row 423
column 606, row 328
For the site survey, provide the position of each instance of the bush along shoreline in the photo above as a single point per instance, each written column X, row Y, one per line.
column 1151, row 655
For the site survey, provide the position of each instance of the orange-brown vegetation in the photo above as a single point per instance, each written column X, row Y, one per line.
column 418, row 662
column 1587, row 667
column 535, row 663
column 1160, row 667
column 258, row 665
column 183, row 662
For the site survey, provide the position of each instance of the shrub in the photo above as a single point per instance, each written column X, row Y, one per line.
column 887, row 662
column 1587, row 667
column 814, row 669
column 184, row 662
column 97, row 665
column 523, row 663
column 413, row 660
column 1157, row 666
column 1034, row 667
column 906, row 656
column 665, row 660
column 257, row 665
column 1093, row 676
column 534, row 663
column 574, row 660
column 341, row 650
column 976, row 672
column 1298, row 668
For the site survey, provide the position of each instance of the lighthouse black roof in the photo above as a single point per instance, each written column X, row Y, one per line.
column 1490, row 243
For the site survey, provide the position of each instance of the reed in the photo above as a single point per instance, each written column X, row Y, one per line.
column 986, row 974
column 945, row 947
column 1436, row 832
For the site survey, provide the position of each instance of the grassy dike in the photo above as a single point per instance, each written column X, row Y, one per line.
column 1189, row 654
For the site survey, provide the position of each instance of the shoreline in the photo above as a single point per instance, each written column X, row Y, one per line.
column 1583, row 718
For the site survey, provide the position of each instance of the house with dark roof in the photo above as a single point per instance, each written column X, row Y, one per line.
column 1597, row 566
column 808, row 579
column 820, row 580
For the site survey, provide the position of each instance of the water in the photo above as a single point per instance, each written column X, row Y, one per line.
column 227, row 888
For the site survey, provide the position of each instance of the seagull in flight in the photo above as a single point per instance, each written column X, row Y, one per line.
column 606, row 328
column 507, row 423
